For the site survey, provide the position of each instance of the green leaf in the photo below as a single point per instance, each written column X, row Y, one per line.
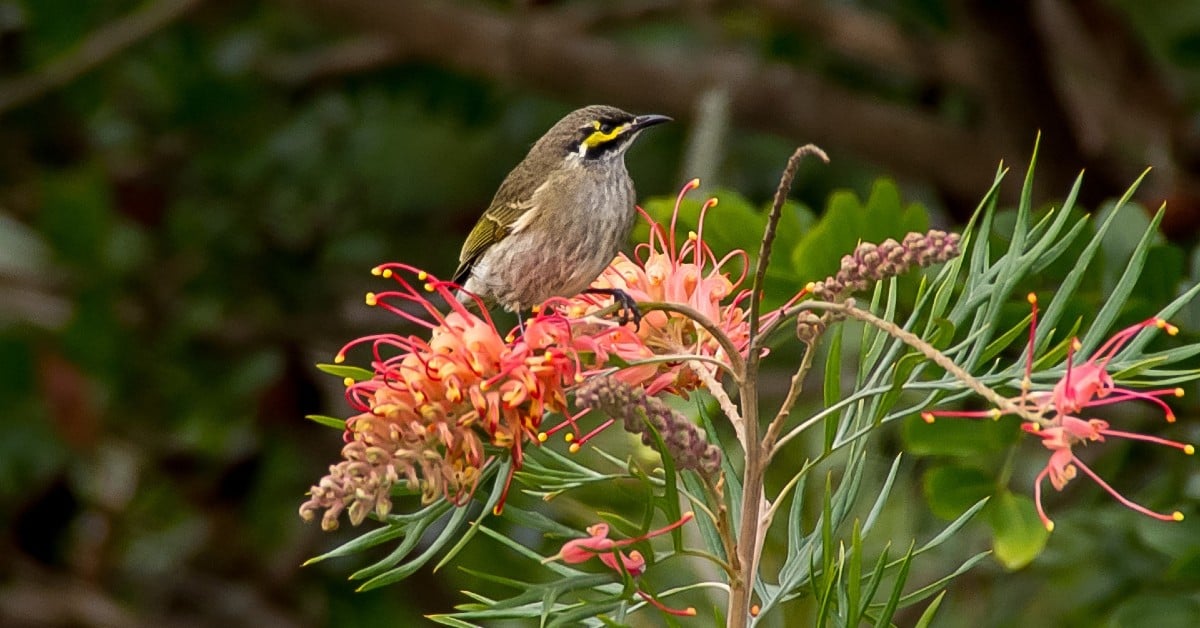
column 1018, row 535
column 832, row 388
column 952, row 489
column 931, row 610
column 327, row 421
column 344, row 371
column 848, row 221
column 960, row 437
column 1156, row 610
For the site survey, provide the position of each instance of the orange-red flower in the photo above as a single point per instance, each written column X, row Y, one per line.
column 433, row 405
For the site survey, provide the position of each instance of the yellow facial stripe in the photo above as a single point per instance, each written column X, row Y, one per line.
column 599, row 137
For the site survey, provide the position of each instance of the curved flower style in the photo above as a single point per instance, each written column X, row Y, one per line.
column 433, row 405
column 598, row 545
column 1052, row 415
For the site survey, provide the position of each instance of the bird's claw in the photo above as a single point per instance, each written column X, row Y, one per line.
column 628, row 308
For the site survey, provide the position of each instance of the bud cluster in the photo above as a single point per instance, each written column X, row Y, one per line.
column 809, row 326
column 685, row 441
column 870, row 262
column 359, row 484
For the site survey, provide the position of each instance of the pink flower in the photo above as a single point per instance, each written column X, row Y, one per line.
column 664, row 270
column 1053, row 415
column 1066, row 431
column 598, row 545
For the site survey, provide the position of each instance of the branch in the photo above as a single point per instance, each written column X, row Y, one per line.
column 100, row 46
column 541, row 51
column 360, row 54
column 862, row 36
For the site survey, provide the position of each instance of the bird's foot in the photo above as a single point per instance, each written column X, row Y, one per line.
column 628, row 307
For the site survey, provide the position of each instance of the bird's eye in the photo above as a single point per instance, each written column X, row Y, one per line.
column 604, row 127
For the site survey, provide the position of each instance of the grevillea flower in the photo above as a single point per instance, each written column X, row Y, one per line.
column 433, row 405
column 598, row 545
column 668, row 271
column 687, row 273
column 1052, row 414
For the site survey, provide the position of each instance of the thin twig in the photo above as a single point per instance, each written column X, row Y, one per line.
column 785, row 410
column 727, row 406
column 667, row 358
column 100, row 46
column 764, row 250
column 735, row 356
column 753, row 505
column 1003, row 404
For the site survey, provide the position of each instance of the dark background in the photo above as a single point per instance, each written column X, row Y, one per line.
column 192, row 193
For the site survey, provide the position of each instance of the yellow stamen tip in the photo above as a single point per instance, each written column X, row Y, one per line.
column 422, row 276
column 927, row 417
column 690, row 611
column 483, row 386
column 371, row 300
column 387, row 273
column 377, row 271
column 429, row 287
column 578, row 378
column 509, row 338
column 1170, row 417
column 339, row 358
column 574, row 448
column 1178, row 516
column 693, row 184
column 569, row 437
column 497, row 510
column 1189, row 449
column 542, row 437
column 1178, row 392
column 348, row 382
column 1049, row 526
column 996, row 414
column 810, row 286
column 1032, row 298
column 692, row 237
column 754, row 610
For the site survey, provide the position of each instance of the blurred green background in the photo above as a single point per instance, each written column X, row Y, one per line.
column 192, row 193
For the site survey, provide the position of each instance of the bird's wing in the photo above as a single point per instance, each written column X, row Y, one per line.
column 495, row 223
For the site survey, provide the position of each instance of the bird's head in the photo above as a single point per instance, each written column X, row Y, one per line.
column 598, row 133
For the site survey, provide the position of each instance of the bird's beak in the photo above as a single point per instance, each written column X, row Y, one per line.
column 648, row 120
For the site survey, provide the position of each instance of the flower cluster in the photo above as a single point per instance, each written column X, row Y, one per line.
column 870, row 262
column 684, row 440
column 432, row 405
column 665, row 271
column 1053, row 415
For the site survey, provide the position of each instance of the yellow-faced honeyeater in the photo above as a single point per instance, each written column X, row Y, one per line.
column 559, row 217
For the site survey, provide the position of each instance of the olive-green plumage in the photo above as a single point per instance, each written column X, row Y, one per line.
column 560, row 216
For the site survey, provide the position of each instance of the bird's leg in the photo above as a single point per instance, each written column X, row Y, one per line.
column 520, row 321
column 629, row 309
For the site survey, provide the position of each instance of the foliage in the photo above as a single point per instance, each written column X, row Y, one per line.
column 956, row 337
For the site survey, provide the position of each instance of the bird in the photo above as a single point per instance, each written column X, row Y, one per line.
column 558, row 219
